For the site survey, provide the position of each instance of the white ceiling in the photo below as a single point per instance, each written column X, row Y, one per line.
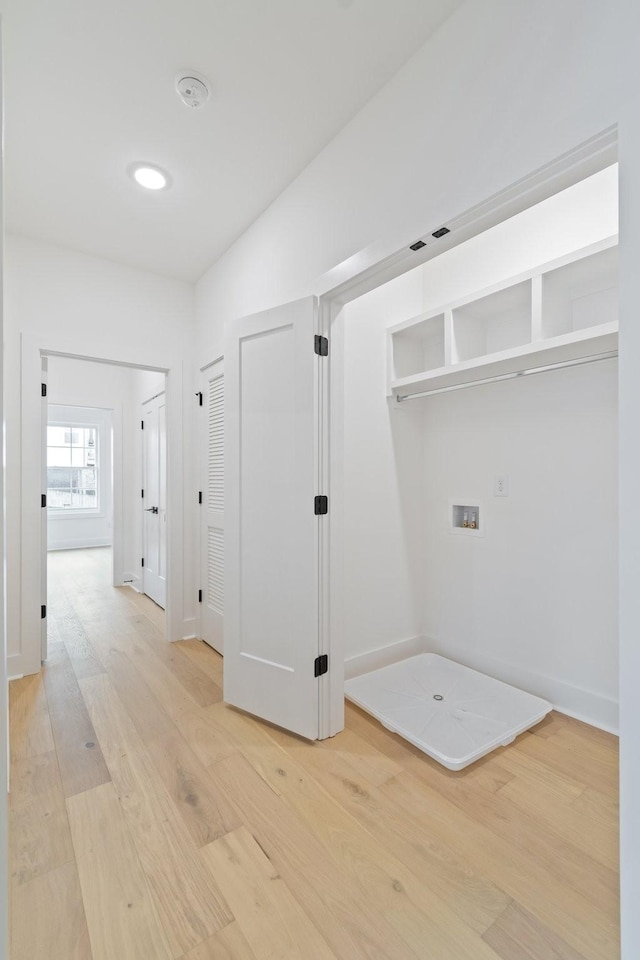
column 89, row 88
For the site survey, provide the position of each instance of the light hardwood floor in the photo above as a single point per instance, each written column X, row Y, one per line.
column 150, row 821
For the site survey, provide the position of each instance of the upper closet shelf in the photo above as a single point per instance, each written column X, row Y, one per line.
column 561, row 311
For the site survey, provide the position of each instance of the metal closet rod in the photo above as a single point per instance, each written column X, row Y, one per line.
column 403, row 397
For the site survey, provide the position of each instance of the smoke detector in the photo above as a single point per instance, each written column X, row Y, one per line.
column 193, row 90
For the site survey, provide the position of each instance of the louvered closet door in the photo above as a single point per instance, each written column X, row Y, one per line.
column 212, row 533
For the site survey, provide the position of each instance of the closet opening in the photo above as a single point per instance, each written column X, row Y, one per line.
column 485, row 380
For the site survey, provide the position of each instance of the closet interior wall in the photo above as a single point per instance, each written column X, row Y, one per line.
column 534, row 601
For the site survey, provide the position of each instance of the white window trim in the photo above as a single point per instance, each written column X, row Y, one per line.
column 66, row 416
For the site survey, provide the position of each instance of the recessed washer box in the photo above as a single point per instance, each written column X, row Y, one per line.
column 452, row 713
column 463, row 513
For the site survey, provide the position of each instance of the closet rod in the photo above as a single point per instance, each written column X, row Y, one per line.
column 403, row 397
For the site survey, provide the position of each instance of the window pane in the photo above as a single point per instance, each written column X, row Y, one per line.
column 58, row 499
column 84, row 478
column 55, row 436
column 83, row 499
column 58, row 457
column 72, row 479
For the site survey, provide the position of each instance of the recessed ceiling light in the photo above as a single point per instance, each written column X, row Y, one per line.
column 149, row 176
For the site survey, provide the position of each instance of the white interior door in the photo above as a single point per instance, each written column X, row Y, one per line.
column 212, row 519
column 272, row 431
column 154, row 502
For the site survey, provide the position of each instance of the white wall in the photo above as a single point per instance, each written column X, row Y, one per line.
column 4, row 726
column 83, row 387
column 629, row 542
column 59, row 294
column 432, row 144
column 534, row 601
column 383, row 470
column 502, row 88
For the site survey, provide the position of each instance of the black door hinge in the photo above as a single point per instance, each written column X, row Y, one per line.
column 199, row 396
column 199, row 496
column 321, row 665
column 142, row 424
column 142, row 562
column 142, row 493
column 320, row 506
column 43, row 499
column 43, row 611
column 199, row 596
column 321, row 345
column 43, row 389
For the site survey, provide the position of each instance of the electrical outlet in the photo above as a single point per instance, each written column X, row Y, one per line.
column 501, row 487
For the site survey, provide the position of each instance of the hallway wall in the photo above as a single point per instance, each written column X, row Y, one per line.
column 78, row 298
column 501, row 89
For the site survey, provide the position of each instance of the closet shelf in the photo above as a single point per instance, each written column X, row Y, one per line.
column 562, row 311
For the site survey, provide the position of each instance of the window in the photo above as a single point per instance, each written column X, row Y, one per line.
column 72, row 467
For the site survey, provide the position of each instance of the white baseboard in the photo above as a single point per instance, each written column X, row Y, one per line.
column 190, row 628
column 16, row 667
column 78, row 544
column 593, row 708
column 383, row 656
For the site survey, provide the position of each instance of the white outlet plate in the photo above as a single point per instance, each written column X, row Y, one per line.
column 501, row 486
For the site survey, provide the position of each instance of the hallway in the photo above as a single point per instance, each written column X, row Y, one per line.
column 149, row 820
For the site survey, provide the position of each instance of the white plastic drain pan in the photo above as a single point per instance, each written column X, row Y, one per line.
column 452, row 713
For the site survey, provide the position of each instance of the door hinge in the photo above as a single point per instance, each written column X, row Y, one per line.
column 199, row 596
column 142, row 424
column 199, row 396
column 321, row 345
column 43, row 389
column 320, row 505
column 142, row 493
column 43, row 499
column 43, row 611
column 199, row 496
column 142, row 562
column 321, row 665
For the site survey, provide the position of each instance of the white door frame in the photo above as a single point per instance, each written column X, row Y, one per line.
column 143, row 509
column 368, row 269
column 360, row 274
column 202, row 468
column 34, row 347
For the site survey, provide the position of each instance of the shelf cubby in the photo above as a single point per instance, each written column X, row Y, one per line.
column 554, row 313
column 580, row 295
column 419, row 347
column 491, row 324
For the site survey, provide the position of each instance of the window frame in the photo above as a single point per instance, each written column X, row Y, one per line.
column 71, row 424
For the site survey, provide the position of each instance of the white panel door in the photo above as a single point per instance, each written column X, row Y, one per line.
column 272, row 423
column 154, row 472
column 212, row 523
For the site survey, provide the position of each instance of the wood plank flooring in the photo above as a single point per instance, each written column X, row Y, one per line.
column 149, row 820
